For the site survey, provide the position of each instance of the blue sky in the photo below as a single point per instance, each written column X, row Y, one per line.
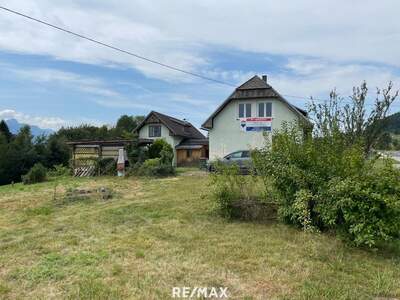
column 50, row 79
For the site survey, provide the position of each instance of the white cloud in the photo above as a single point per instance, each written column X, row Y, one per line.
column 147, row 102
column 349, row 41
column 316, row 77
column 75, row 81
column 45, row 122
column 42, row 122
column 122, row 103
column 178, row 32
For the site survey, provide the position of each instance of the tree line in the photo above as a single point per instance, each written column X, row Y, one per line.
column 21, row 151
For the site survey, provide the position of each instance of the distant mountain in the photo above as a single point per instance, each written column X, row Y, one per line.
column 15, row 126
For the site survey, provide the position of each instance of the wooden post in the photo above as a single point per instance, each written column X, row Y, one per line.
column 100, row 154
column 73, row 159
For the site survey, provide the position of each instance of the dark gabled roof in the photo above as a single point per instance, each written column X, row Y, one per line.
column 194, row 142
column 254, row 83
column 177, row 127
column 253, row 88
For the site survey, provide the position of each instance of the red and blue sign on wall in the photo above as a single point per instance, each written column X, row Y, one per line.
column 256, row 124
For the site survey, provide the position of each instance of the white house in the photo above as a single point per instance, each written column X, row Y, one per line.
column 189, row 144
column 240, row 121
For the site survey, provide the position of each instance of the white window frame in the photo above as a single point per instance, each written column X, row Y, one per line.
column 265, row 109
column 151, row 130
column 244, row 110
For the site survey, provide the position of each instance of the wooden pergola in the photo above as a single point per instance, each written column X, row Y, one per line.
column 85, row 154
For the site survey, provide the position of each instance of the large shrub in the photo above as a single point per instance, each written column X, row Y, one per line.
column 59, row 171
column 154, row 167
column 159, row 163
column 325, row 183
column 227, row 187
column 238, row 196
column 166, row 154
column 366, row 206
column 36, row 174
column 154, row 150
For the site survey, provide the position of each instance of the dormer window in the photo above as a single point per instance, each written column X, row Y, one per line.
column 265, row 109
column 244, row 110
column 154, row 130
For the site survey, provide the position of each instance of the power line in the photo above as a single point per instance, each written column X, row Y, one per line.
column 137, row 55
column 116, row 48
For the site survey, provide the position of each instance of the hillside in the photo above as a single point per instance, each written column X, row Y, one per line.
column 160, row 233
column 392, row 123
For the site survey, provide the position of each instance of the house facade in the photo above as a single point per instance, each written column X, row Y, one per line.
column 189, row 144
column 240, row 122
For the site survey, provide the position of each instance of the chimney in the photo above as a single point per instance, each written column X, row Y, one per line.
column 264, row 77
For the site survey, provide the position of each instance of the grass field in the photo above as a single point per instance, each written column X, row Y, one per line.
column 160, row 233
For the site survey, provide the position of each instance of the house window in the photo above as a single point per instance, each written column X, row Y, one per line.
column 265, row 109
column 189, row 153
column 155, row 131
column 261, row 109
column 244, row 110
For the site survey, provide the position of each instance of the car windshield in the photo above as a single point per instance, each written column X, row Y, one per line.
column 246, row 154
column 238, row 154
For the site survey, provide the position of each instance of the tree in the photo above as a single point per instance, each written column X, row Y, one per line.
column 126, row 124
column 58, row 151
column 5, row 130
column 18, row 157
column 4, row 145
column 352, row 119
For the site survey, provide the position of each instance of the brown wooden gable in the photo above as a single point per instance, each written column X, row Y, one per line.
column 176, row 127
column 153, row 120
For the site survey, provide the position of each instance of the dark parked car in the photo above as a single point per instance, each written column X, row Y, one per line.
column 241, row 158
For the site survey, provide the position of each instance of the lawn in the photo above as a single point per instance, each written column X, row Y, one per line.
column 160, row 233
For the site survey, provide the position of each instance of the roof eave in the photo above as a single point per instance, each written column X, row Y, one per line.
column 136, row 130
column 292, row 107
column 160, row 119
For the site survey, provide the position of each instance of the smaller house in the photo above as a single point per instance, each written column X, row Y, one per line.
column 189, row 144
column 86, row 153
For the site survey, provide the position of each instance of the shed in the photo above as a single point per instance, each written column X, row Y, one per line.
column 85, row 154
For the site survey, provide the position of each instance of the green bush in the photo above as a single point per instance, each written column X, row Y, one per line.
column 154, row 150
column 160, row 162
column 166, row 154
column 226, row 187
column 236, row 196
column 155, row 167
column 151, row 163
column 366, row 207
column 36, row 174
column 326, row 183
column 59, row 170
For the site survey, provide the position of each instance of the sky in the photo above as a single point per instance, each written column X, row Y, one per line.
column 305, row 47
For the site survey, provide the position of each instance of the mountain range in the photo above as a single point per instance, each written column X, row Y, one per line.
column 15, row 126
